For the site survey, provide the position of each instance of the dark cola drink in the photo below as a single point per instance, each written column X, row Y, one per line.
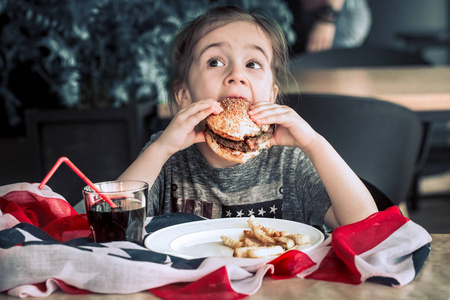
column 124, row 223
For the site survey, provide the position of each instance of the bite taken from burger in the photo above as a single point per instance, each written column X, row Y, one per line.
column 233, row 135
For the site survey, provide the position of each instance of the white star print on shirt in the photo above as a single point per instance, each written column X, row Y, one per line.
column 273, row 209
column 268, row 209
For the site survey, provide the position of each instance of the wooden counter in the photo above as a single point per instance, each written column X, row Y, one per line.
column 422, row 89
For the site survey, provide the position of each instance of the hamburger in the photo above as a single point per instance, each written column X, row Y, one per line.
column 233, row 135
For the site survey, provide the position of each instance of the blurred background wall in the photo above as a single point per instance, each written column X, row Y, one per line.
column 391, row 17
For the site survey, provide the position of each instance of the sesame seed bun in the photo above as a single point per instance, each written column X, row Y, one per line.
column 233, row 135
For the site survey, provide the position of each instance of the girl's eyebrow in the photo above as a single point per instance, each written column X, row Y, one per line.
column 222, row 44
column 212, row 45
column 252, row 46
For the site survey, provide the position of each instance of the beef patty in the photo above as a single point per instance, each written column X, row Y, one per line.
column 243, row 145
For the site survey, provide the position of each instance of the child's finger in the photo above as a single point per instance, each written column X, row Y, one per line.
column 199, row 111
column 260, row 106
column 270, row 114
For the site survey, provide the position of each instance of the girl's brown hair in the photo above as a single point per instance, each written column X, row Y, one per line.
column 181, row 54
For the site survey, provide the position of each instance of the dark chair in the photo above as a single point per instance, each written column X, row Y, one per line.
column 434, row 159
column 378, row 139
column 367, row 56
column 355, row 57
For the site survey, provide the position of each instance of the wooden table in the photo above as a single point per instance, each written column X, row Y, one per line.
column 422, row 89
column 433, row 282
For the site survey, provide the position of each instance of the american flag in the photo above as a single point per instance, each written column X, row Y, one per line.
column 45, row 246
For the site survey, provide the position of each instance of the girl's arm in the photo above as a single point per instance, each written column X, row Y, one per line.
column 350, row 199
column 179, row 135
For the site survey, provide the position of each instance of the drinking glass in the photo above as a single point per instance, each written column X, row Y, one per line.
column 122, row 223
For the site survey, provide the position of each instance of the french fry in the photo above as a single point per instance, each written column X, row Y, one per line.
column 285, row 242
column 263, row 237
column 300, row 239
column 261, row 241
column 231, row 242
column 269, row 231
column 252, row 223
column 251, row 243
column 250, row 234
column 273, row 232
column 242, row 251
column 282, row 233
column 261, row 252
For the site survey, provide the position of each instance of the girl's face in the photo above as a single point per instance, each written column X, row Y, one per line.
column 231, row 61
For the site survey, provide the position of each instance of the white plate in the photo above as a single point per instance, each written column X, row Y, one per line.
column 202, row 238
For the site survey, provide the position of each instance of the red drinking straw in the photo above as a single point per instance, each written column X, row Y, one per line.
column 79, row 173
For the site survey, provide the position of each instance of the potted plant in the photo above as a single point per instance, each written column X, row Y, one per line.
column 70, row 68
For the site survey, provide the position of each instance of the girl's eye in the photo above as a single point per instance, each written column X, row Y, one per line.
column 254, row 65
column 214, row 62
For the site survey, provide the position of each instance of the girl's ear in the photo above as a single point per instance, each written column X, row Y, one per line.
column 183, row 97
column 274, row 93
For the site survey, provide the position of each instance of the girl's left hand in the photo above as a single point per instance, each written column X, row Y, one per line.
column 290, row 128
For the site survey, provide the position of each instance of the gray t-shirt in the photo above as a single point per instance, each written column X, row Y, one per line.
column 281, row 183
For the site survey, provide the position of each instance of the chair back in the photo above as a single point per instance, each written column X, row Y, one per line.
column 355, row 57
column 379, row 140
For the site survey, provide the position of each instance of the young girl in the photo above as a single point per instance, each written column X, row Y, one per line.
column 230, row 53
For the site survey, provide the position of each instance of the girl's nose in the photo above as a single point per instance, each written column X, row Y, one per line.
column 236, row 76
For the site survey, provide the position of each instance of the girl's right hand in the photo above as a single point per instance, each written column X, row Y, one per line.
column 181, row 133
